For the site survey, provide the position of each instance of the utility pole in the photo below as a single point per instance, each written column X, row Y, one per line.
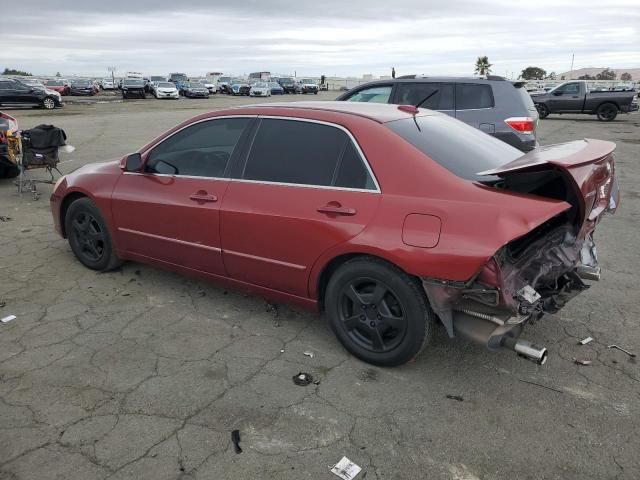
column 112, row 70
column 571, row 71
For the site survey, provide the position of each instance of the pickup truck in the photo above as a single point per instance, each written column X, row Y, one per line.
column 575, row 97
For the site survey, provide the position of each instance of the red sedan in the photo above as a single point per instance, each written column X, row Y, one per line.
column 59, row 86
column 389, row 219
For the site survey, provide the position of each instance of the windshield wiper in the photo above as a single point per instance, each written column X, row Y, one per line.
column 427, row 98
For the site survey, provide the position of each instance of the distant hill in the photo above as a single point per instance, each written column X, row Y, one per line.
column 635, row 72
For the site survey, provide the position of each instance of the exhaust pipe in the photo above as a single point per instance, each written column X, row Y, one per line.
column 588, row 273
column 526, row 350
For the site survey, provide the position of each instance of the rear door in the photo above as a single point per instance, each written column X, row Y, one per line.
column 434, row 96
column 474, row 103
column 171, row 211
column 304, row 188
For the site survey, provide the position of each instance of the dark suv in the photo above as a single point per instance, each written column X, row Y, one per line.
column 14, row 93
column 492, row 104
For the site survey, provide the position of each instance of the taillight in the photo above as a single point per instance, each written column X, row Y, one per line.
column 521, row 124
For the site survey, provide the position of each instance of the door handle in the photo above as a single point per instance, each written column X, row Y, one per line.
column 335, row 208
column 202, row 196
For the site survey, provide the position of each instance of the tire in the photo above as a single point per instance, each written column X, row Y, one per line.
column 48, row 103
column 543, row 110
column 607, row 112
column 89, row 236
column 361, row 294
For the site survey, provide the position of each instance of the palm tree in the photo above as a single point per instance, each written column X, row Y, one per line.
column 483, row 67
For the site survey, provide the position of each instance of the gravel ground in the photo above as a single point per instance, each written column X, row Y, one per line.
column 141, row 373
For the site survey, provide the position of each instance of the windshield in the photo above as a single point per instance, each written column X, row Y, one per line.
column 461, row 149
column 107, row 80
column 158, row 79
column 260, row 85
column 133, row 82
column 166, row 85
column 274, row 84
column 55, row 83
column 195, row 85
column 224, row 79
column 307, row 81
column 286, row 80
column 81, row 83
column 178, row 77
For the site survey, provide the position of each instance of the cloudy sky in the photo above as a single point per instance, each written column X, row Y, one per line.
column 314, row 37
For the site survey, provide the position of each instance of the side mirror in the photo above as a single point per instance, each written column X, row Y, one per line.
column 132, row 163
column 557, row 94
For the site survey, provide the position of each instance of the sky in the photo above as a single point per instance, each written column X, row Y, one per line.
column 330, row 37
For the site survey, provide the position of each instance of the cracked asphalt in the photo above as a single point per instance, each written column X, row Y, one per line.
column 143, row 374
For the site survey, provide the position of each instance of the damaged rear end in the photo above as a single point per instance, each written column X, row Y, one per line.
column 540, row 271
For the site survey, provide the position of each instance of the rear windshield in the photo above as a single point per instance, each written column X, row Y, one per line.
column 526, row 98
column 461, row 149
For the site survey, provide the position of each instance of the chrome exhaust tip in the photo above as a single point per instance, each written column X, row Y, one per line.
column 527, row 350
column 588, row 273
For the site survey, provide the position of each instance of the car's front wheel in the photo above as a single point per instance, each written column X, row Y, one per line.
column 378, row 312
column 543, row 110
column 49, row 103
column 89, row 237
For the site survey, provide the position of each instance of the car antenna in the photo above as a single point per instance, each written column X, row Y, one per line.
column 419, row 104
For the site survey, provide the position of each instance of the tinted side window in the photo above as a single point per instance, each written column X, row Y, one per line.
column 440, row 95
column 352, row 172
column 372, row 95
column 290, row 151
column 469, row 95
column 570, row 89
column 4, row 85
column 201, row 150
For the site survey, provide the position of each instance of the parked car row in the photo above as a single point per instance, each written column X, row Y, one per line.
column 21, row 93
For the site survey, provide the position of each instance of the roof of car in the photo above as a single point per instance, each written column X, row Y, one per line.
column 380, row 112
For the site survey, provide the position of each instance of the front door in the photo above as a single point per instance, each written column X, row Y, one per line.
column 566, row 98
column 171, row 210
column 293, row 200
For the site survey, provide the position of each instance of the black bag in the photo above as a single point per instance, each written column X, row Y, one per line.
column 45, row 136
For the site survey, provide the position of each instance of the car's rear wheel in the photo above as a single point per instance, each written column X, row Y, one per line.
column 607, row 112
column 89, row 236
column 378, row 312
column 49, row 103
column 543, row 110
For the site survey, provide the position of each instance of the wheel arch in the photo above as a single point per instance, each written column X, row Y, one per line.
column 64, row 207
column 319, row 285
column 605, row 102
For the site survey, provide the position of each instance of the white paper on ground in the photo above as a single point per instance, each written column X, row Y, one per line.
column 346, row 469
column 8, row 319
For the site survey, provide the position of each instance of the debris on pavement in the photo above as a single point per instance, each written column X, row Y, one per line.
column 235, row 439
column 4, row 218
column 346, row 469
column 273, row 308
column 456, row 397
column 578, row 361
column 282, row 351
column 585, row 341
column 308, row 354
column 8, row 318
column 302, row 379
column 2, row 304
column 622, row 350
